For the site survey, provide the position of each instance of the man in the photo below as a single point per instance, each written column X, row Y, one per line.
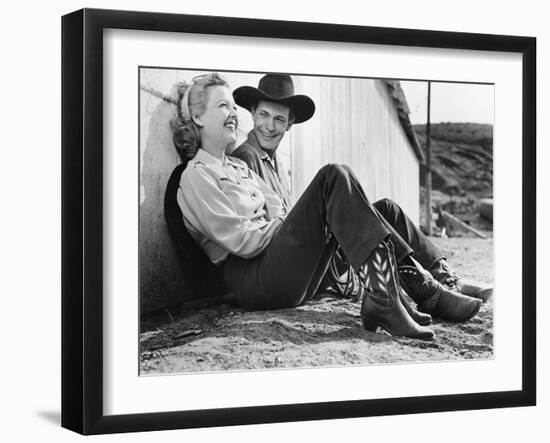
column 275, row 108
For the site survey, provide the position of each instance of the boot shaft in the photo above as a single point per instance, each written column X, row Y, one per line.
column 379, row 275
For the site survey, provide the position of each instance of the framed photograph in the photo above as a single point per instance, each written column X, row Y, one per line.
column 271, row 221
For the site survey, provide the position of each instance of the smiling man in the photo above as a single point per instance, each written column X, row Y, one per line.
column 274, row 109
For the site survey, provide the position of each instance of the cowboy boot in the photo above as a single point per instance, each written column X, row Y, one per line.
column 381, row 305
column 443, row 273
column 432, row 297
column 421, row 318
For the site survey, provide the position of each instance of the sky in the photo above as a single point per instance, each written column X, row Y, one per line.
column 450, row 102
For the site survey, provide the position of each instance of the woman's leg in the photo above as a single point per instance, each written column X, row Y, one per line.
column 333, row 206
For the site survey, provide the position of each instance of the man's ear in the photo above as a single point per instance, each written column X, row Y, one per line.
column 290, row 123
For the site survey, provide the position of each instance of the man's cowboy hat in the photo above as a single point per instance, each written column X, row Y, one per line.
column 277, row 88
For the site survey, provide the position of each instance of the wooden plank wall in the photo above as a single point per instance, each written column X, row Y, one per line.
column 160, row 278
column 357, row 124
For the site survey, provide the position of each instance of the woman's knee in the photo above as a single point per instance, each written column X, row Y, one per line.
column 334, row 170
column 385, row 205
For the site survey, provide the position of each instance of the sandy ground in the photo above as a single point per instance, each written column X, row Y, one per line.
column 326, row 331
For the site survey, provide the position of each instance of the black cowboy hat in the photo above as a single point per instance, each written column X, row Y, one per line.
column 277, row 88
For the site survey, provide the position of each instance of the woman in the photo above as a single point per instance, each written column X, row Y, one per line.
column 269, row 259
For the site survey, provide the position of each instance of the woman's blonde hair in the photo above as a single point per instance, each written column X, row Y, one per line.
column 192, row 101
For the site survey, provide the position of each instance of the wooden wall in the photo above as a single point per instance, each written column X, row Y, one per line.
column 161, row 280
column 355, row 124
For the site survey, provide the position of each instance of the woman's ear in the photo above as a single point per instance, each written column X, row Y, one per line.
column 197, row 120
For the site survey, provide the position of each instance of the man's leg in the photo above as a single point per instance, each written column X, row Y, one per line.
column 404, row 230
column 425, row 252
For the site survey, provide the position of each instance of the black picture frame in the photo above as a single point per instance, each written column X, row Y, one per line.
column 82, row 219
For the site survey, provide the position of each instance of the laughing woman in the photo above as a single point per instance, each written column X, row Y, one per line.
column 273, row 260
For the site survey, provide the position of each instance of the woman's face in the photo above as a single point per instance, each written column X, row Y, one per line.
column 218, row 124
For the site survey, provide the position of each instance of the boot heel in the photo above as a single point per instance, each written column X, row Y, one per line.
column 370, row 325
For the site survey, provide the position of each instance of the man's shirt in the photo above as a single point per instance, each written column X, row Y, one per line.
column 227, row 208
column 269, row 169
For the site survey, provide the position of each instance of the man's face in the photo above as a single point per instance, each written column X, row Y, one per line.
column 271, row 121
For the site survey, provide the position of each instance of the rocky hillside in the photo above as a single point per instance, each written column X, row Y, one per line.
column 462, row 158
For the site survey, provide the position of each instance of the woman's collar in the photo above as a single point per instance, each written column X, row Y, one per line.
column 209, row 159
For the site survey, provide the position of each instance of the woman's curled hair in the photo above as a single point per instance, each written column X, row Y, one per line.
column 192, row 101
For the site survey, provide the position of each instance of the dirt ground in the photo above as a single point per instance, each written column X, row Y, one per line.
column 324, row 332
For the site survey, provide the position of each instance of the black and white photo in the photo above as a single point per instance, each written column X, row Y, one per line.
column 212, row 294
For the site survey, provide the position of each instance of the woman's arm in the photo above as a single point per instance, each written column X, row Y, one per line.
column 212, row 213
column 273, row 204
